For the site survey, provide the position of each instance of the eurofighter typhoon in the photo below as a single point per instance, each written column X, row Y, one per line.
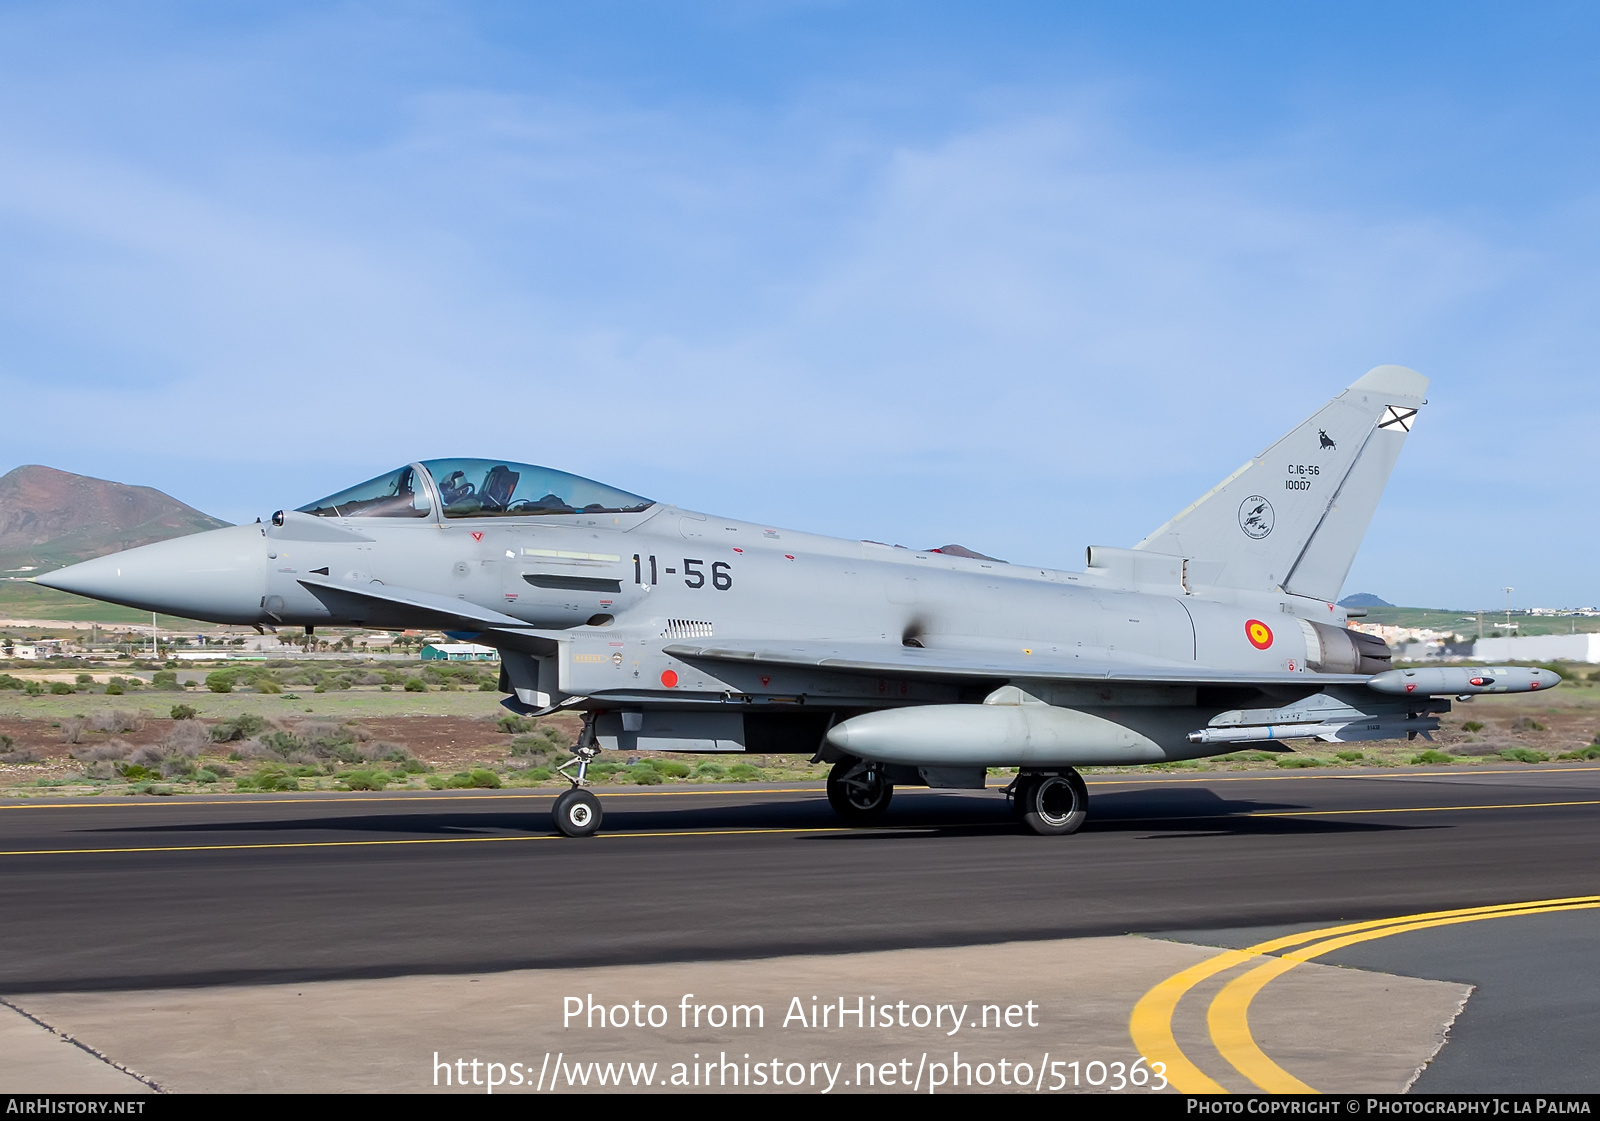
column 670, row 630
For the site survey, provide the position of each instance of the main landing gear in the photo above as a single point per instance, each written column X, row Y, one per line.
column 1052, row 803
column 859, row 791
column 577, row 812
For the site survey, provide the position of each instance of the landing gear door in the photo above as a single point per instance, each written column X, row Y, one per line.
column 532, row 678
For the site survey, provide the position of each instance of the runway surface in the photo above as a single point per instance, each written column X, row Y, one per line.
column 122, row 894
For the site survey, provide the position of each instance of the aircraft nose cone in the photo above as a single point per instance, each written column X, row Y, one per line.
column 219, row 576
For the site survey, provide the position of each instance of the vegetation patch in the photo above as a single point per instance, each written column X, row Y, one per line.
column 479, row 778
column 269, row 779
column 364, row 779
column 240, row 727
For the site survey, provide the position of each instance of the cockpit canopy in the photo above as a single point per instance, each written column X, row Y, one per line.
column 475, row 488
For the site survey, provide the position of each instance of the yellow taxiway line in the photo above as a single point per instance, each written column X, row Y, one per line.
column 1227, row 1018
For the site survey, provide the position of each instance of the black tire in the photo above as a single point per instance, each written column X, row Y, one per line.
column 858, row 792
column 578, row 813
column 1053, row 804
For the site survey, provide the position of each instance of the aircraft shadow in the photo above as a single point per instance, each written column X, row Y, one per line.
column 912, row 815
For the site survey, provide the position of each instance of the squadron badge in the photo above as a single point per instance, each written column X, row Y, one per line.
column 1255, row 517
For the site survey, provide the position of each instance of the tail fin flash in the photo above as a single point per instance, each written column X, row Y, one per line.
column 1293, row 517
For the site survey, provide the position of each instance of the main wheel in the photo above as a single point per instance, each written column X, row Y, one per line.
column 1053, row 804
column 858, row 792
column 578, row 813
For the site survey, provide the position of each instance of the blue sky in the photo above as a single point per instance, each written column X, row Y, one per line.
column 1026, row 277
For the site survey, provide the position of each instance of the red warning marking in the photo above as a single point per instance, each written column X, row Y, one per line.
column 765, row 680
column 1259, row 634
column 1475, row 681
column 477, row 535
column 669, row 678
column 789, row 556
column 1411, row 686
column 737, row 549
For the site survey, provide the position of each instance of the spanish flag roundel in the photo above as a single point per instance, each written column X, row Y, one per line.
column 1259, row 634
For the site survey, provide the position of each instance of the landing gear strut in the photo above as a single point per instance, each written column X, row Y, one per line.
column 577, row 812
column 858, row 791
column 1053, row 803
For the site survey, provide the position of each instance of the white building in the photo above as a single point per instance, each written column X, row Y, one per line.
column 1539, row 648
column 458, row 652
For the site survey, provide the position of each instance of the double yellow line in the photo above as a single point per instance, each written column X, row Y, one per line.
column 1228, row 1018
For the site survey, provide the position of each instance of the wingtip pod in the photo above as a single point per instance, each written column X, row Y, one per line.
column 1399, row 381
column 1464, row 681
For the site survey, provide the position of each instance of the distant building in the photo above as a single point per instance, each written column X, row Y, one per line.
column 458, row 652
column 1539, row 648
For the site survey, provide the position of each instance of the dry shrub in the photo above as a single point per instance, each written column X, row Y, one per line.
column 320, row 730
column 253, row 748
column 176, row 767
column 72, row 730
column 187, row 738
column 115, row 720
column 147, row 755
column 21, row 755
column 111, row 749
column 385, row 751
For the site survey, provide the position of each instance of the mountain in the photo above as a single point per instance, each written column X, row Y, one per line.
column 50, row 518
column 1364, row 599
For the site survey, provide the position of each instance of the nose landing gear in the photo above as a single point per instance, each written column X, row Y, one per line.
column 577, row 812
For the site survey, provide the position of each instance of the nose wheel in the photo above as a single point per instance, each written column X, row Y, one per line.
column 1051, row 804
column 578, row 813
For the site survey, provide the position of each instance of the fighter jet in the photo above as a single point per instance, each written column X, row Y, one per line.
column 670, row 630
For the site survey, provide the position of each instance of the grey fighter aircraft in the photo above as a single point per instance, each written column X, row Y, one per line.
column 676, row 631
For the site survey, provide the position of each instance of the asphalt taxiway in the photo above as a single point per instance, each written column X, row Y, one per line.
column 181, row 893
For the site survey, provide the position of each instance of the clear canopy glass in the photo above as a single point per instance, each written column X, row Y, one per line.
column 399, row 494
column 491, row 488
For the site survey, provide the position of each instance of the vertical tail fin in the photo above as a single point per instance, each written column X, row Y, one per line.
column 1293, row 517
